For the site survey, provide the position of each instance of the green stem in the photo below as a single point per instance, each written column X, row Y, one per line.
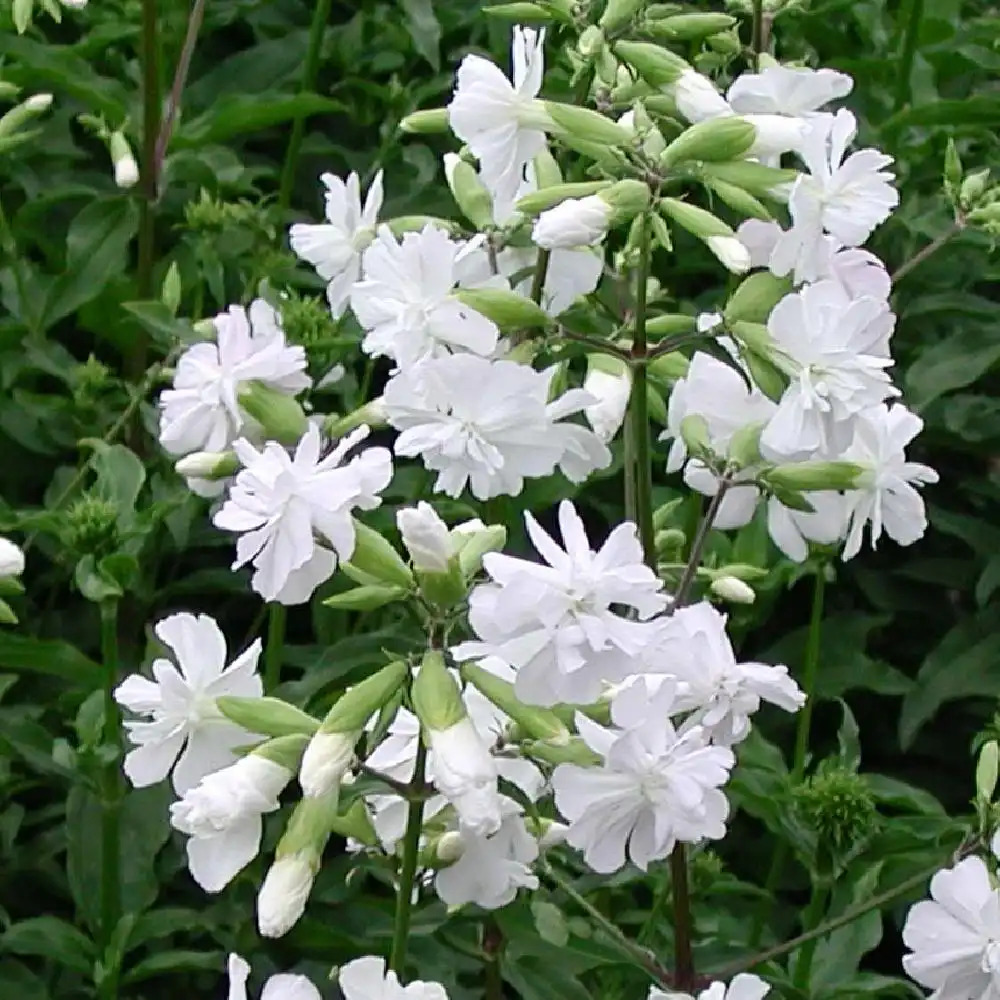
column 639, row 407
column 690, row 573
column 684, row 975
column 310, row 71
column 277, row 617
column 149, row 58
column 538, row 279
column 810, row 920
column 909, row 53
column 757, row 32
column 110, row 900
column 492, row 950
column 803, row 726
column 408, row 868
column 847, row 917
column 639, row 955
column 932, row 248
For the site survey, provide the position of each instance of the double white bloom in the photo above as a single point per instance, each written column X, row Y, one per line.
column 489, row 424
column 186, row 731
column 553, row 623
column 293, row 512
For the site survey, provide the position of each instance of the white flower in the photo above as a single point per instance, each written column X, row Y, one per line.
column 954, row 937
column 325, row 761
column 886, row 497
column 222, row 816
column 792, row 530
column 334, row 248
column 462, row 770
column 11, row 559
column 500, row 121
column 720, row 693
column 744, row 986
column 201, row 411
column 425, row 537
column 569, row 275
column 697, row 98
column 787, row 90
column 835, row 351
column 280, row 987
column 185, row 727
column 405, row 304
column 713, row 390
column 732, row 254
column 491, row 868
column 575, row 222
column 293, row 513
column 489, row 424
column 553, row 624
column 611, row 389
column 283, row 894
column 368, row 979
column 656, row 787
column 846, row 198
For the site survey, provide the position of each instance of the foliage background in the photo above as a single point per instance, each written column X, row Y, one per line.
column 911, row 637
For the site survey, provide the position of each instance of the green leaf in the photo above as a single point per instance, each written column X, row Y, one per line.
column 120, row 473
column 241, row 113
column 177, row 960
column 965, row 355
column 981, row 110
column 157, row 320
column 425, row 31
column 51, row 938
column 966, row 663
column 96, row 252
column 550, row 922
column 24, row 654
column 93, row 583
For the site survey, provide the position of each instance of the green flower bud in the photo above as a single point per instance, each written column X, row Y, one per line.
column 539, row 201
column 657, row 66
column 571, row 751
column 280, row 415
column 413, row 223
column 838, row 808
column 591, row 42
column 695, row 435
column 572, row 123
column 14, row 121
column 753, row 301
column 688, row 27
column 436, row 697
column 669, row 367
column 352, row 710
column 519, row 13
column 664, row 514
column 91, row 525
column 473, row 543
column 468, row 191
column 744, row 446
column 986, row 771
column 669, row 541
column 375, row 561
column 813, row 476
column 974, row 187
column 717, row 236
column 356, row 824
column 952, row 170
column 743, row 571
column 755, row 178
column 538, row 723
column 7, row 616
column 429, row 122
column 739, row 200
column 267, row 716
column 372, row 414
column 508, row 310
column 619, row 13
column 285, row 751
column 367, row 597
column 714, row 139
column 208, row 465
column 670, row 325
column 547, row 171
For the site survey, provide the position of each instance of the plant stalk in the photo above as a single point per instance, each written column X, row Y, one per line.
column 639, row 407
column 911, row 39
column 698, row 545
column 684, row 973
column 408, row 868
column 538, row 278
column 757, row 32
column 110, row 898
column 277, row 618
column 932, row 248
column 310, row 72
column 811, row 918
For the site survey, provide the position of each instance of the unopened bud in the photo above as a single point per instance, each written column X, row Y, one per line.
column 428, row 122
column 281, row 415
column 520, row 12
column 508, row 310
column 375, row 561
column 974, row 187
column 728, row 588
column 468, row 191
column 267, row 716
column 126, row 168
column 619, row 13
column 986, row 771
column 539, row 201
column 809, row 476
column 211, row 465
column 716, row 139
column 573, row 123
column 688, row 27
column 753, row 301
column 372, row 414
column 367, row 597
column 657, row 66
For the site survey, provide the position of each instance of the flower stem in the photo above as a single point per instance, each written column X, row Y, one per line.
column 803, row 726
column 639, row 955
column 492, row 950
column 811, row 918
column 310, row 70
column 538, row 279
column 639, row 407
column 408, row 868
column 110, row 899
column 690, row 573
column 757, row 32
column 684, row 975
column 921, row 255
column 847, row 917
column 277, row 617
column 149, row 58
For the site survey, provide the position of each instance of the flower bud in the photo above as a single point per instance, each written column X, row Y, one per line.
column 688, row 27
column 669, row 541
column 952, row 170
column 986, row 771
column 428, row 122
column 279, row 414
column 366, row 597
column 436, row 697
column 696, row 97
column 123, row 160
column 284, row 893
column 575, row 222
column 553, row 194
column 520, row 12
column 756, row 296
column 508, row 310
column 473, row 540
column 609, row 379
column 657, row 66
column 468, row 191
column 449, row 847
column 744, row 446
column 464, row 772
column 547, row 170
column 973, row 187
column 573, row 123
column 716, row 235
column 374, row 560
column 670, row 325
column 739, row 200
column 728, row 588
column 538, row 723
column 619, row 13
column 715, row 139
column 11, row 559
column 664, row 514
column 212, row 465
column 433, row 554
column 591, row 42
column 13, row 123
column 267, row 716
column 372, row 414
column 809, row 476
column 755, row 178
column 356, row 824
column 695, row 435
